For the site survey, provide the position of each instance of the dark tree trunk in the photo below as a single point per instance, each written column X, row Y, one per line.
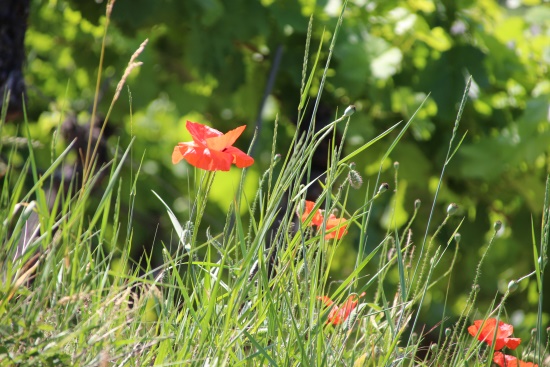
column 13, row 25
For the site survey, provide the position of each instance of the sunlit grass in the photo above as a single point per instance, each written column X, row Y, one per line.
column 248, row 295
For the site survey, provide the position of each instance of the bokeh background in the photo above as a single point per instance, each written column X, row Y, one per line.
column 209, row 61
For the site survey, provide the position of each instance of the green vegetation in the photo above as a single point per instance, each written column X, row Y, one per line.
column 452, row 107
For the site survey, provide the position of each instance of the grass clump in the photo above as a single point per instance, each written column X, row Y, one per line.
column 258, row 293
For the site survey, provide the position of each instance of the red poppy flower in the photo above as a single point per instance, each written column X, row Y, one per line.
column 488, row 331
column 340, row 314
column 339, row 224
column 504, row 360
column 332, row 221
column 210, row 149
column 317, row 219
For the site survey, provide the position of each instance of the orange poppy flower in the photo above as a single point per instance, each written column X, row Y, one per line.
column 210, row 149
column 340, row 314
column 334, row 222
column 488, row 331
column 504, row 360
column 317, row 219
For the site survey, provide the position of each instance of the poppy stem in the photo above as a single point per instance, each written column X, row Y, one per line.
column 205, row 184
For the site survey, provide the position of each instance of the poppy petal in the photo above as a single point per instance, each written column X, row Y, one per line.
column 326, row 300
column 487, row 333
column 206, row 159
column 513, row 343
column 221, row 161
column 505, row 330
column 338, row 315
column 317, row 219
column 176, row 155
column 339, row 223
column 226, row 140
column 501, row 343
column 335, row 316
column 504, row 360
column 200, row 132
column 239, row 158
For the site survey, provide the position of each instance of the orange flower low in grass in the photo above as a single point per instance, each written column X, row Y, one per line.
column 504, row 360
column 211, row 150
column 335, row 227
column 487, row 333
column 317, row 219
column 339, row 314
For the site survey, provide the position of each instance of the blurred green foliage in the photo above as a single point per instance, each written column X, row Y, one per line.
column 208, row 61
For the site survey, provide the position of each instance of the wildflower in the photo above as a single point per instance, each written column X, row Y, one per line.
column 317, row 219
column 210, row 149
column 504, row 360
column 488, row 331
column 340, row 314
column 335, row 227
column 339, row 224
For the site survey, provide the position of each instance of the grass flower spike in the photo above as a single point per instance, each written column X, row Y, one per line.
column 504, row 360
column 210, row 149
column 340, row 314
column 488, row 331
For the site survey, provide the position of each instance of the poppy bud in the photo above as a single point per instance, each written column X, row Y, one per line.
column 355, row 179
column 350, row 110
column 497, row 226
column 433, row 347
column 417, row 203
column 448, row 331
column 352, row 165
column 458, row 236
column 396, row 165
column 452, row 208
column 276, row 158
column 512, row 286
column 383, row 187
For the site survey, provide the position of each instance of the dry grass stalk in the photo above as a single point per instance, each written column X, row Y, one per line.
column 132, row 64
